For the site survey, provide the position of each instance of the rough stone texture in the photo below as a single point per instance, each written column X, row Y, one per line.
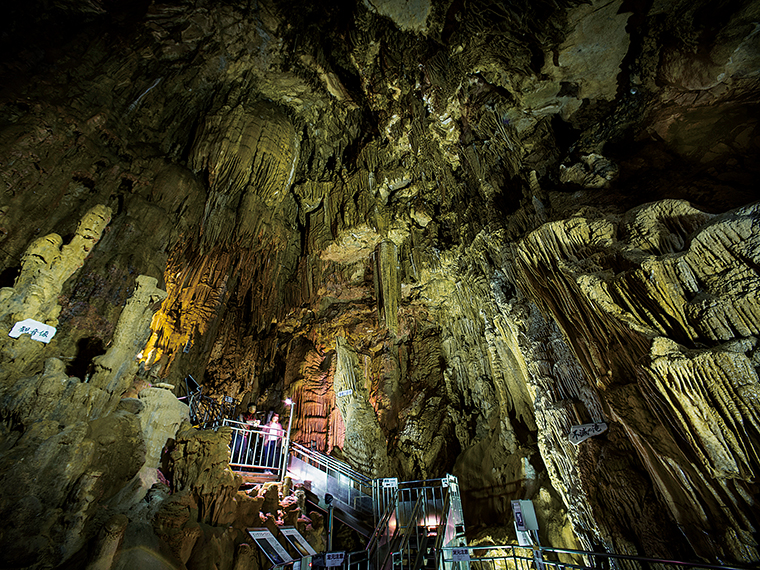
column 89, row 462
column 161, row 416
column 202, row 523
column 364, row 440
column 46, row 265
column 490, row 220
column 115, row 370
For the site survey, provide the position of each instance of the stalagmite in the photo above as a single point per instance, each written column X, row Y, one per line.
column 365, row 445
column 47, row 265
column 387, row 286
column 444, row 234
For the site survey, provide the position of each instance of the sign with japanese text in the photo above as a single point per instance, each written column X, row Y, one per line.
column 525, row 515
column 460, row 555
column 344, row 393
column 37, row 330
column 334, row 558
column 583, row 432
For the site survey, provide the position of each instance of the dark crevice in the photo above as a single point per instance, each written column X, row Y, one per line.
column 87, row 349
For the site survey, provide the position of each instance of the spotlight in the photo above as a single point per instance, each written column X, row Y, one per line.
column 288, row 402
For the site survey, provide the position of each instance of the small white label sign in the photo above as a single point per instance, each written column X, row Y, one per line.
column 38, row 331
column 583, row 432
column 460, row 555
column 391, row 483
column 334, row 558
column 344, row 393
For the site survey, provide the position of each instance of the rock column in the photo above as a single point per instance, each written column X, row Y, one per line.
column 387, row 285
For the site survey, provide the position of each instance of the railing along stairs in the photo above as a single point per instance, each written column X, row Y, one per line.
column 517, row 557
column 350, row 491
column 434, row 522
column 411, row 525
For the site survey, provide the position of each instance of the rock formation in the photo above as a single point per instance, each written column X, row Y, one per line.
column 448, row 231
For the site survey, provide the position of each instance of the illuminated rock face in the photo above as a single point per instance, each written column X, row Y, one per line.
column 448, row 231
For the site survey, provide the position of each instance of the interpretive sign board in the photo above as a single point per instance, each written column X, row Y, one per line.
column 583, row 432
column 390, row 483
column 334, row 558
column 37, row 330
column 270, row 545
column 297, row 541
column 525, row 515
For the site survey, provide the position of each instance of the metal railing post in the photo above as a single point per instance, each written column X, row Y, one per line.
column 285, row 451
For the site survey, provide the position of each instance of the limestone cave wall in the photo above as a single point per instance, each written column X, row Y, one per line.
column 448, row 230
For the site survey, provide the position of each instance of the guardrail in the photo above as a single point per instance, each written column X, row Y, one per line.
column 206, row 412
column 256, row 449
column 331, row 466
column 350, row 491
column 429, row 516
column 546, row 558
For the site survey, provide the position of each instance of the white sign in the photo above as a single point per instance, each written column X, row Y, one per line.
column 583, row 432
column 334, row 558
column 270, row 545
column 391, row 483
column 297, row 541
column 38, row 331
column 344, row 393
column 460, row 555
column 525, row 515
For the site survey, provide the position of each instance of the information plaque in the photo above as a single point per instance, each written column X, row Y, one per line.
column 270, row 546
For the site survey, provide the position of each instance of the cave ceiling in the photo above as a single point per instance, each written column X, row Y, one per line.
column 480, row 222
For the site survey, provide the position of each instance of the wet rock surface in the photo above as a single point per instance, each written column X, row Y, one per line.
column 447, row 231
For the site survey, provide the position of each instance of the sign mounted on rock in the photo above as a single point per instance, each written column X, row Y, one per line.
column 37, row 330
column 583, row 432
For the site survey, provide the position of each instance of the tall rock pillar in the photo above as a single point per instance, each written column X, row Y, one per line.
column 365, row 445
column 387, row 285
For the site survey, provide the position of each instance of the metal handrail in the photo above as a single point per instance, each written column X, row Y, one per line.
column 381, row 527
column 442, row 523
column 422, row 483
column 641, row 559
column 407, row 532
column 248, row 447
column 326, row 463
column 526, row 554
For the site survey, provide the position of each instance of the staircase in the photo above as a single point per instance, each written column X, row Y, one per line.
column 404, row 522
column 410, row 525
column 429, row 518
column 323, row 475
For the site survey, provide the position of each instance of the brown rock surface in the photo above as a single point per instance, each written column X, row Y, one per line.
column 448, row 231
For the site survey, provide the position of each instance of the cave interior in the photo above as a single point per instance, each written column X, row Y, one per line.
column 482, row 222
